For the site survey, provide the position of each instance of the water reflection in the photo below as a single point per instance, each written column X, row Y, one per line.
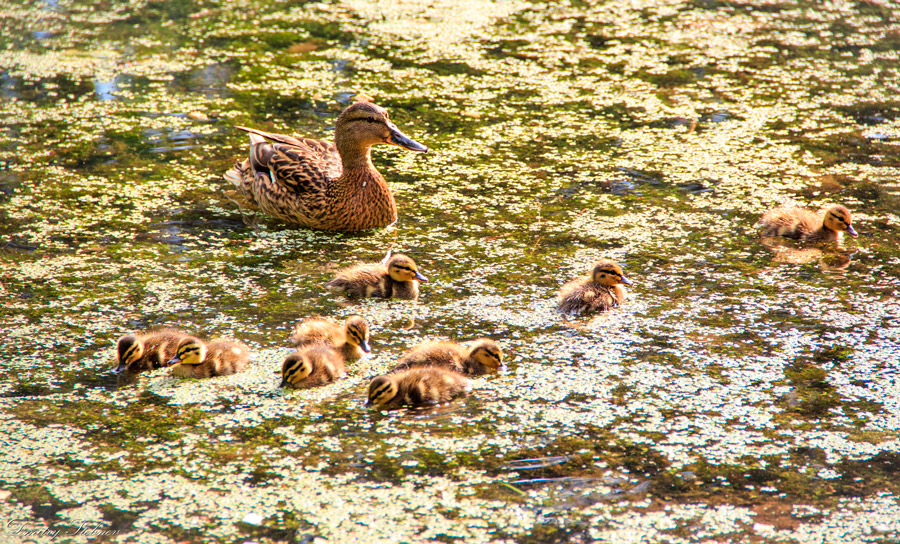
column 786, row 253
column 105, row 89
column 211, row 80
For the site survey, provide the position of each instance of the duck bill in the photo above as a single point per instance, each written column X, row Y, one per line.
column 401, row 140
column 284, row 383
column 120, row 369
column 173, row 361
column 365, row 346
column 420, row 277
column 851, row 231
column 626, row 281
column 368, row 403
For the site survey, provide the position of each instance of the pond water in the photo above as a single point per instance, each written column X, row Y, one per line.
column 746, row 391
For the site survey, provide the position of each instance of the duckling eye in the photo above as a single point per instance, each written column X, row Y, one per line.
column 839, row 218
column 370, row 119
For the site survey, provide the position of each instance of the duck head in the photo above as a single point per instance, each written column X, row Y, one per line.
column 382, row 390
column 295, row 369
column 357, row 332
column 609, row 273
column 837, row 218
column 191, row 351
column 365, row 124
column 402, row 268
column 486, row 352
column 128, row 350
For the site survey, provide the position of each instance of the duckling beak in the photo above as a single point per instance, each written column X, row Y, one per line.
column 420, row 277
column 852, row 232
column 369, row 402
column 173, row 361
column 284, row 383
column 399, row 139
column 121, row 368
column 626, row 281
column 365, row 346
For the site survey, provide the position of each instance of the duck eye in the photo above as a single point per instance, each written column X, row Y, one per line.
column 370, row 119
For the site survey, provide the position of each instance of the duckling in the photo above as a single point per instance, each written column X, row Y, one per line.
column 799, row 223
column 320, row 185
column 482, row 356
column 399, row 278
column 417, row 387
column 199, row 359
column 595, row 293
column 147, row 350
column 352, row 340
column 311, row 367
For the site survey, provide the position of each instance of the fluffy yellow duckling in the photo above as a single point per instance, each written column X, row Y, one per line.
column 147, row 350
column 198, row 359
column 481, row 357
column 399, row 278
column 352, row 340
column 799, row 223
column 598, row 292
column 417, row 387
column 311, row 367
column 321, row 185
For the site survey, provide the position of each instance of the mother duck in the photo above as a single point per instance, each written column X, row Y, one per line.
column 321, row 185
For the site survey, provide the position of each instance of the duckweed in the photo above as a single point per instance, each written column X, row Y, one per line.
column 743, row 392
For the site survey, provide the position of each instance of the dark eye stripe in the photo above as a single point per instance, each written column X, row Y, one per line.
column 841, row 219
column 381, row 391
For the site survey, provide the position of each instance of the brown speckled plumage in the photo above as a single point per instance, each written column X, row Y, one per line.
column 216, row 358
column 417, row 387
column 321, row 185
column 351, row 339
column 312, row 367
column 595, row 293
column 480, row 357
column 398, row 279
column 799, row 223
column 148, row 349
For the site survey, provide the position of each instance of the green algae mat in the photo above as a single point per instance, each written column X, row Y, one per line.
column 747, row 391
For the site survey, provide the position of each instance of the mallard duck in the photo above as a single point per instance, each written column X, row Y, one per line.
column 595, row 293
column 321, row 185
column 417, row 387
column 352, row 340
column 398, row 278
column 311, row 367
column 198, row 359
column 482, row 356
column 802, row 224
column 147, row 350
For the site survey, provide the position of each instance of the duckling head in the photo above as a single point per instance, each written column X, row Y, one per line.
column 382, row 390
column 295, row 369
column 365, row 124
column 838, row 219
column 357, row 332
column 609, row 273
column 191, row 351
column 486, row 352
column 128, row 350
column 402, row 268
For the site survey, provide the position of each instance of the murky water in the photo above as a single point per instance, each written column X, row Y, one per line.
column 747, row 390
